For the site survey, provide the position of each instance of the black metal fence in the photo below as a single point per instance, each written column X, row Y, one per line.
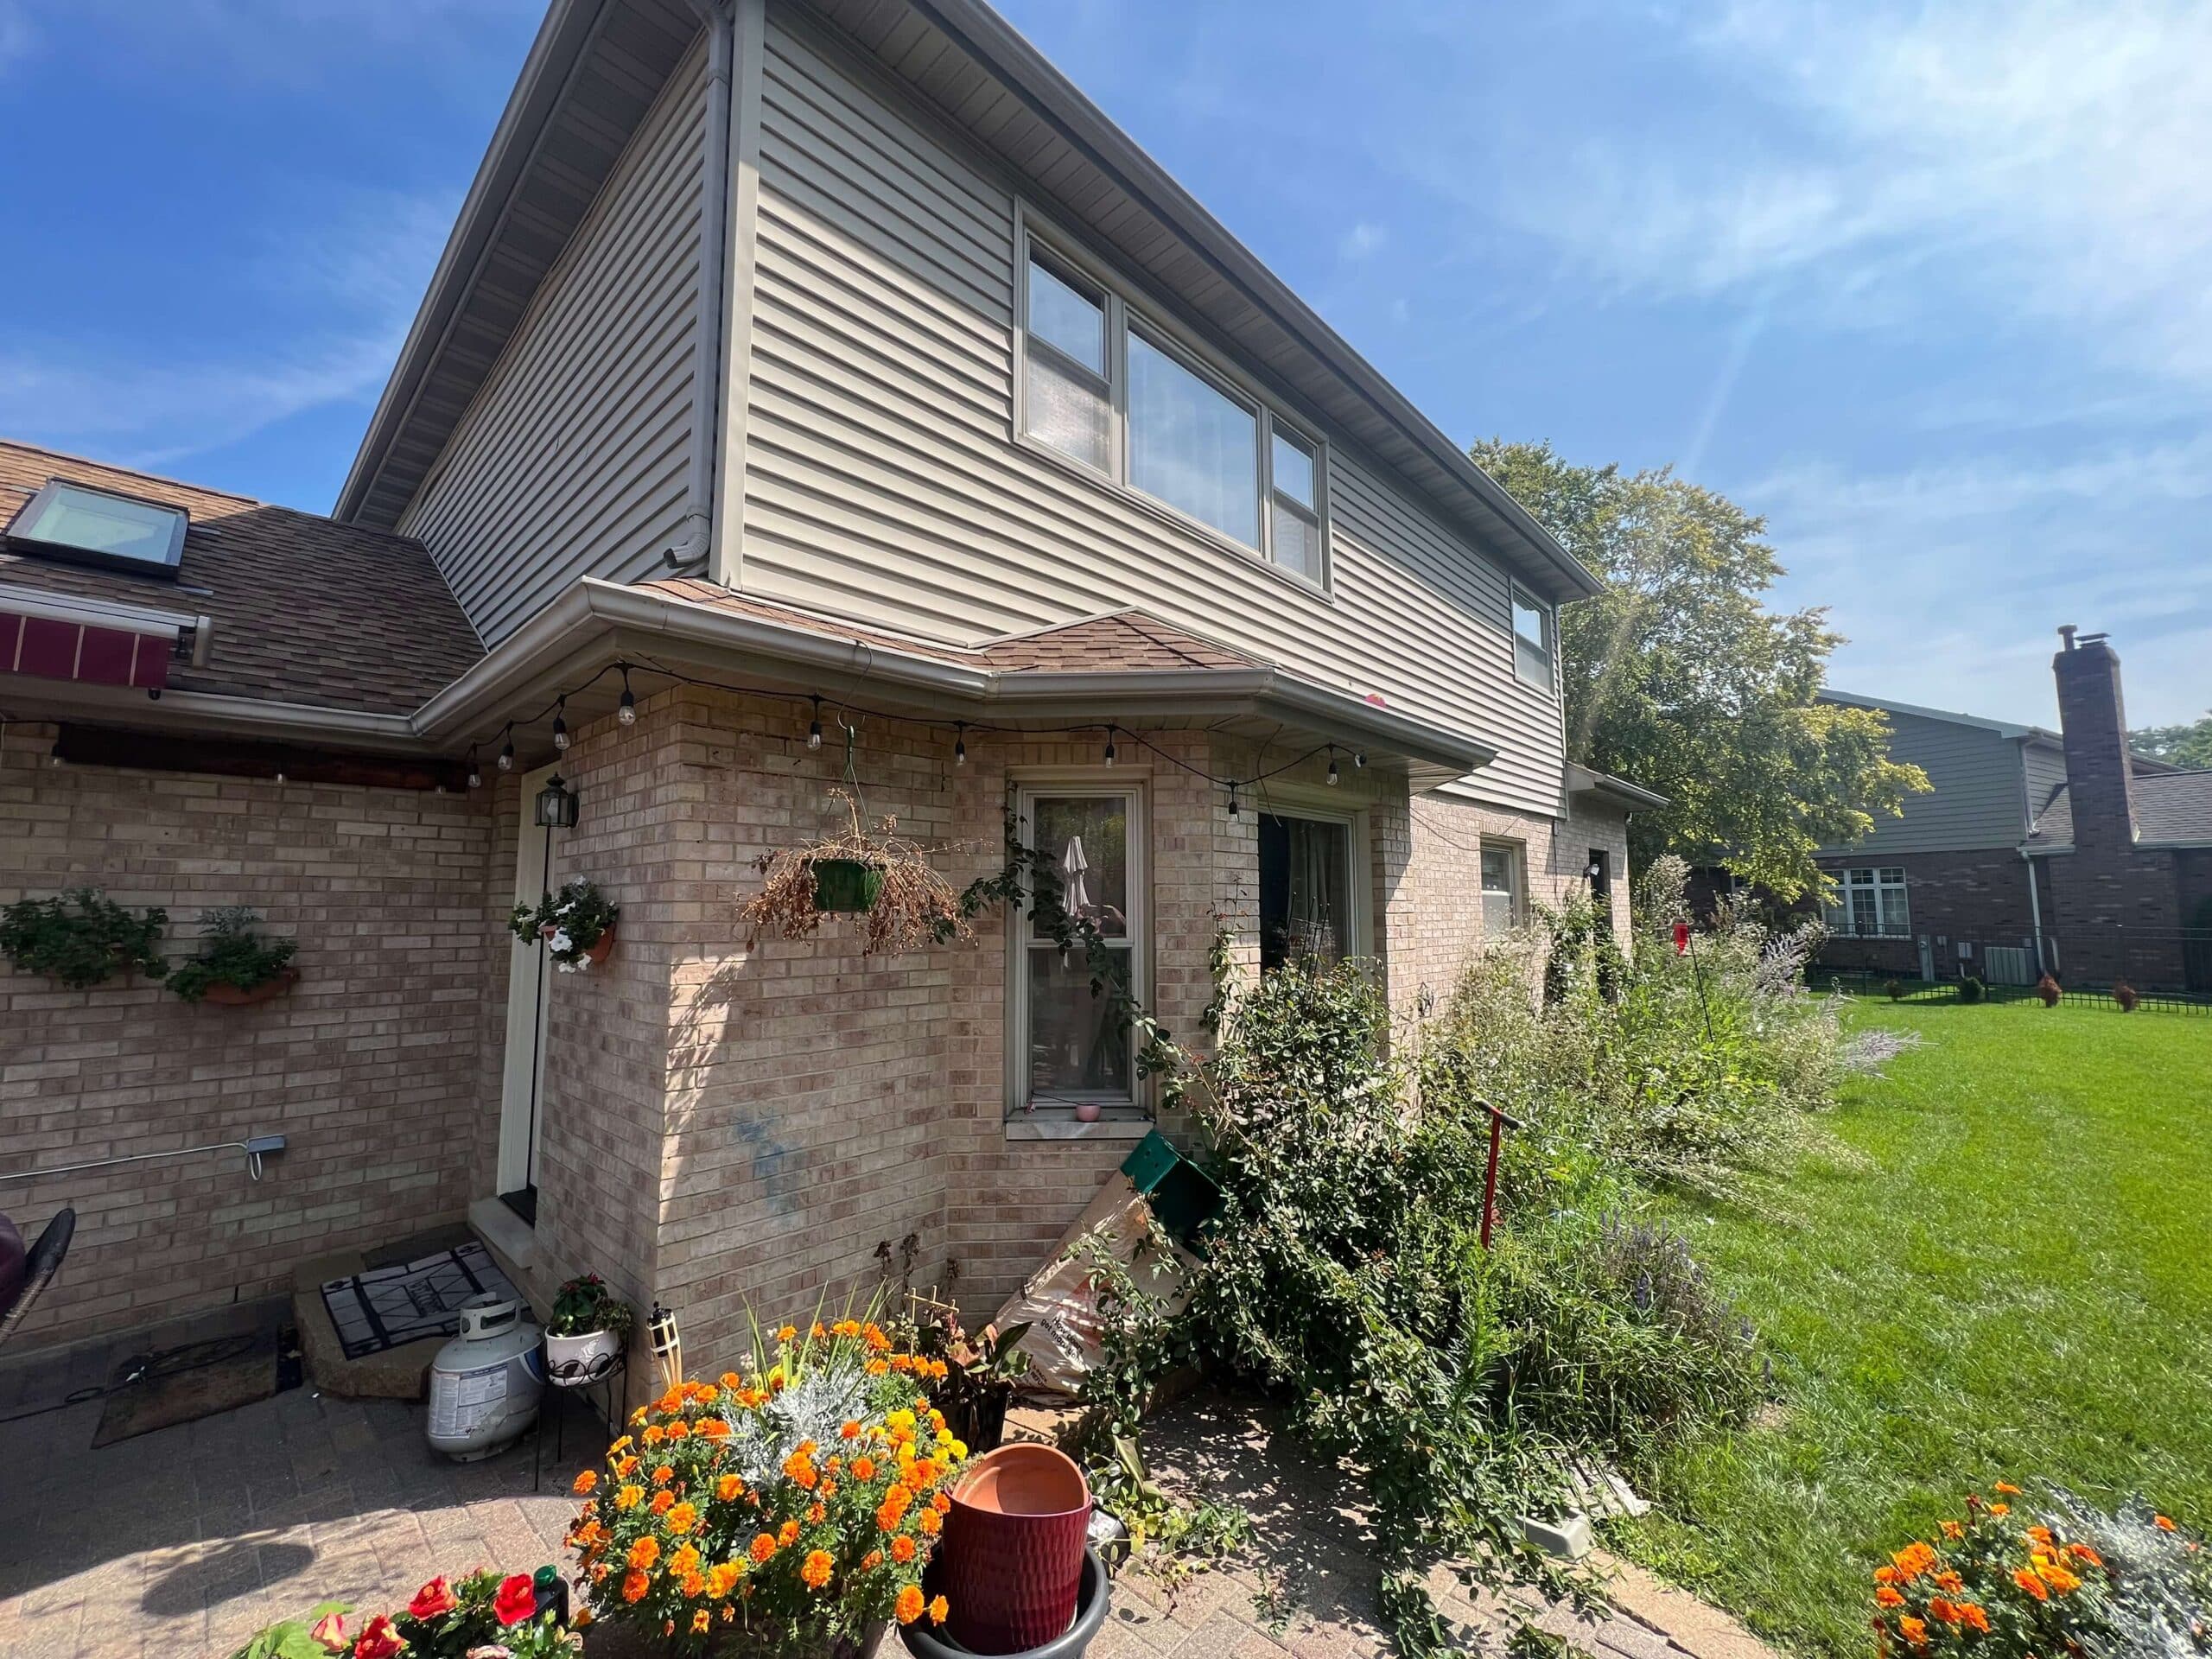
column 1870, row 984
column 2168, row 962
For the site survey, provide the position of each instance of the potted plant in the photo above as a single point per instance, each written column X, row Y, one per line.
column 2048, row 990
column 785, row 1510
column 517, row 1616
column 81, row 938
column 887, row 880
column 981, row 1375
column 236, row 966
column 577, row 925
column 590, row 1324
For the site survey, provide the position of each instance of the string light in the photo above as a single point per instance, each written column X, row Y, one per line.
column 960, row 744
column 814, row 727
column 1359, row 760
column 627, row 714
column 1232, row 799
column 1332, row 768
column 561, row 725
column 1109, row 745
column 475, row 778
column 507, row 749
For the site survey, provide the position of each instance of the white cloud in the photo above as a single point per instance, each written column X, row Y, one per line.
column 1361, row 241
column 2044, row 160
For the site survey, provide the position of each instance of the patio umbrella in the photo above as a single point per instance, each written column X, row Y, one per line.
column 1073, row 899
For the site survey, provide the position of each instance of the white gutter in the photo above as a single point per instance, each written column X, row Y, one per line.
column 210, row 711
column 695, row 546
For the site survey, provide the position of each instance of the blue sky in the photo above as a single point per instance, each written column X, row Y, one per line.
column 1925, row 285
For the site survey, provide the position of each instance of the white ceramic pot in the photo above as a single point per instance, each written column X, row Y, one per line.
column 572, row 1362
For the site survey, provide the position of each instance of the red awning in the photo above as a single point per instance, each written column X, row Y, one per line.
column 56, row 647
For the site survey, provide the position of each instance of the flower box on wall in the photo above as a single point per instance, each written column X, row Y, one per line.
column 231, row 996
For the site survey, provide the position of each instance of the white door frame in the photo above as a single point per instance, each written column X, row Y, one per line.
column 522, row 1085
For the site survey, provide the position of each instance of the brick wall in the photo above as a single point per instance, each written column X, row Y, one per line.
column 1979, row 897
column 371, row 1067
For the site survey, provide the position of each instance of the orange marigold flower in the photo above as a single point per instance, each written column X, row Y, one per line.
column 892, row 1509
column 682, row 1518
column 872, row 1560
column 700, row 1621
column 863, row 1468
column 1974, row 1617
column 644, row 1552
column 1914, row 1630
column 848, row 1431
column 2060, row 1578
column 731, row 1380
column 800, row 1468
column 1953, row 1531
column 662, row 1475
column 2040, row 1535
column 2083, row 1552
column 942, row 1503
column 1886, row 1596
column 828, row 1491
column 2006, row 1488
column 902, row 1549
column 722, row 1578
column 653, row 1435
column 678, row 1430
column 1913, row 1560
column 621, row 1445
column 634, row 1585
column 763, row 1547
column 787, row 1535
column 2162, row 1524
column 663, row 1501
column 874, row 1337
column 629, row 1498
column 909, row 1605
column 1885, row 1574
column 585, row 1481
column 814, row 1573
column 1940, row 1608
column 930, row 1522
column 627, row 1466
column 784, row 1333
column 727, row 1488
column 1949, row 1583
column 2000, row 1509
column 712, row 1428
column 938, row 1608
column 2028, row 1582
column 814, row 1513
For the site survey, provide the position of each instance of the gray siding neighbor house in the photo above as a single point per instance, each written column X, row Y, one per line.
column 2034, row 851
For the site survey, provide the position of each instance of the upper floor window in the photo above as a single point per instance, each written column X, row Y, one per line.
column 1871, row 904
column 1532, row 639
column 1104, row 387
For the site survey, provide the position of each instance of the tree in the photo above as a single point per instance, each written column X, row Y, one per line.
column 2181, row 746
column 1678, row 676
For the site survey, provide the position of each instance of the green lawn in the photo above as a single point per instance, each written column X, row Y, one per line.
column 2016, row 1281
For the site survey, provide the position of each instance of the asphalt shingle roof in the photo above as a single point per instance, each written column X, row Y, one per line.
column 2171, row 808
column 306, row 609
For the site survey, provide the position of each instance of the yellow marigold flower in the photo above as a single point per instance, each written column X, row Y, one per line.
column 644, row 1552
column 685, row 1562
column 763, row 1547
column 909, row 1607
column 814, row 1571
column 902, row 1549
column 784, row 1333
column 682, row 1518
column 585, row 1481
column 938, row 1608
column 629, row 1498
column 722, row 1578
column 700, row 1621
column 620, row 1446
column 728, row 1487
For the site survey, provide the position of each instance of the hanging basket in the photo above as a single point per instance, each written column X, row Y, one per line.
column 231, row 996
column 846, row 885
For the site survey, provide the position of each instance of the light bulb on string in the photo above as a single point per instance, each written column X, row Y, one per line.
column 960, row 744
column 628, row 713
column 507, row 750
column 1232, row 800
column 1332, row 768
column 1109, row 745
column 475, row 777
column 561, row 724
column 814, row 727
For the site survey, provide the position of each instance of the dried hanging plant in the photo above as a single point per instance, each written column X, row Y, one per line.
column 905, row 903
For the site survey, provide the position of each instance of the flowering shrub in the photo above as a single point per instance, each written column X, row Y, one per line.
column 797, row 1503
column 570, row 922
column 2073, row 1581
column 486, row 1615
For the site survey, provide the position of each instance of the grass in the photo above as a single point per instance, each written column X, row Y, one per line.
column 2008, row 1279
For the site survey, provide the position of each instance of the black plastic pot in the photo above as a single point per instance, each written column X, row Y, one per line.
column 981, row 1422
column 1092, row 1598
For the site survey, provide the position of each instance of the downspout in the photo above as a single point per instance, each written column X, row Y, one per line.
column 2035, row 912
column 694, row 544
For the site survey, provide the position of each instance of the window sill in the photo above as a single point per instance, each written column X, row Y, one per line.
column 1059, row 1123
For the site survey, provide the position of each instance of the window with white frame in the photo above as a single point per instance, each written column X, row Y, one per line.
column 1069, row 1041
column 1310, row 905
column 1502, row 888
column 1871, row 904
column 1532, row 639
column 1105, row 387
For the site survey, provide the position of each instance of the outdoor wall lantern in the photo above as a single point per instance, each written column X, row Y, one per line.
column 557, row 805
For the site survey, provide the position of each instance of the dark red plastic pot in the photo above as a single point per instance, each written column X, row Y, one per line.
column 1013, row 1548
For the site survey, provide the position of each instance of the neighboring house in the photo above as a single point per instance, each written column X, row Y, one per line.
column 807, row 369
column 2034, row 850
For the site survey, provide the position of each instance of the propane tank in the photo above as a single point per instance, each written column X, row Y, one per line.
column 485, row 1383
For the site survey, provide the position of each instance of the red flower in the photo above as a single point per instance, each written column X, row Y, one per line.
column 434, row 1597
column 330, row 1632
column 517, row 1601
column 378, row 1640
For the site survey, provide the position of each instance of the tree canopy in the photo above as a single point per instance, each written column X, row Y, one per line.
column 2183, row 745
column 1679, row 677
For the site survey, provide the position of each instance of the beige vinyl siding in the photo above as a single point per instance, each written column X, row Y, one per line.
column 883, row 481
column 571, row 461
column 1976, row 801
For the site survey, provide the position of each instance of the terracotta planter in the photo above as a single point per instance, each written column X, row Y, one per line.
column 846, row 885
column 230, row 996
column 1014, row 1545
column 602, row 947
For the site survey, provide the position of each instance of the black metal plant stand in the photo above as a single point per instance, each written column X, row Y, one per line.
column 609, row 1372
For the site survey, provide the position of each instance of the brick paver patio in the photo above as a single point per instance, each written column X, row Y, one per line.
column 185, row 1540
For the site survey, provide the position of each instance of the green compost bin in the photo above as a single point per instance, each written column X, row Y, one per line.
column 1183, row 1196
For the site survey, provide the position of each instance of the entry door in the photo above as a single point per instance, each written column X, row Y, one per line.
column 524, row 1083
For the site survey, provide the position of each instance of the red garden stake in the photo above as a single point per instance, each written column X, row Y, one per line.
column 1499, row 1122
column 1681, row 937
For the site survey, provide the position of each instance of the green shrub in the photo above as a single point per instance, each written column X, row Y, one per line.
column 1971, row 989
column 82, row 938
column 231, row 952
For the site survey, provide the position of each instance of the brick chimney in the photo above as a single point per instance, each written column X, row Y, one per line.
column 2100, row 778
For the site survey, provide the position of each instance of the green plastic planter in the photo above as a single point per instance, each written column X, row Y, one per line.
column 847, row 886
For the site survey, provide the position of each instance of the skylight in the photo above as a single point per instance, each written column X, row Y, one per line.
column 67, row 521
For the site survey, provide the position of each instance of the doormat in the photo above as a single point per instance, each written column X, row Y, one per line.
column 182, row 1385
column 386, row 1306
